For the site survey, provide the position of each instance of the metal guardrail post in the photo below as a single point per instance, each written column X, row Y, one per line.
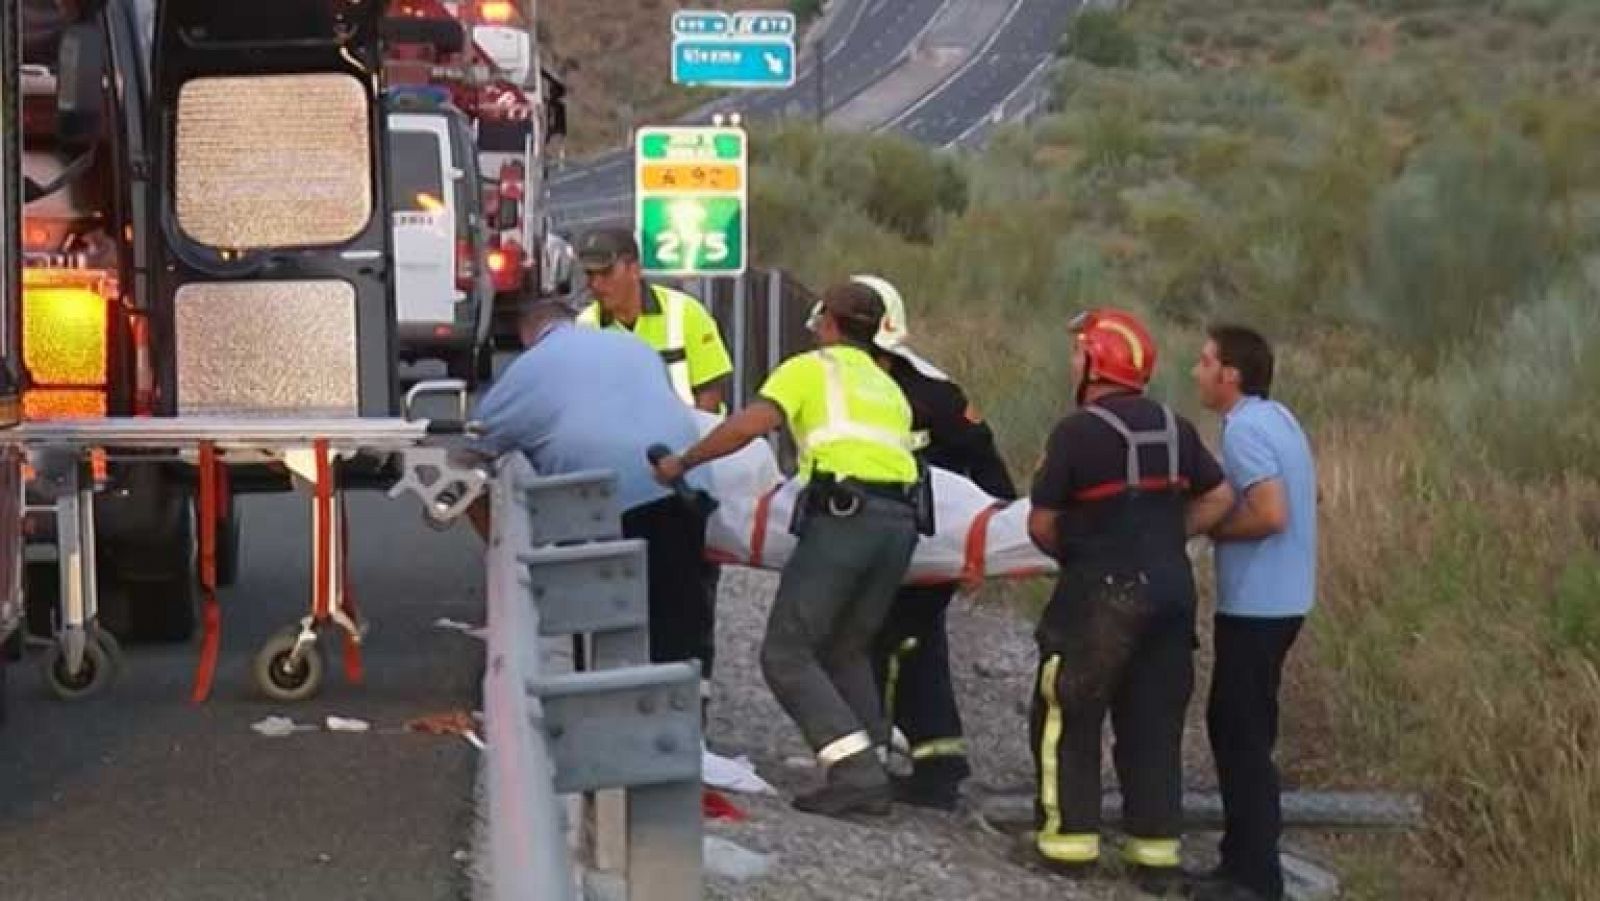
column 741, row 341
column 528, row 859
column 774, row 319
column 618, row 722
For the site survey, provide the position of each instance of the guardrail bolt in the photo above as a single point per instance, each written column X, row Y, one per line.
column 678, row 702
column 647, row 704
column 666, row 744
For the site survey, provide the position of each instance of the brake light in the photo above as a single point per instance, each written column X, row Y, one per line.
column 497, row 261
column 497, row 11
column 464, row 269
column 64, row 336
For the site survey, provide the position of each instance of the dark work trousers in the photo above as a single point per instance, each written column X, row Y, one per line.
column 710, row 582
column 832, row 599
column 912, row 663
column 680, row 616
column 1242, row 719
column 1118, row 651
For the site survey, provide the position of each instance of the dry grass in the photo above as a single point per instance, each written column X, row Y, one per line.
column 616, row 58
column 1405, row 194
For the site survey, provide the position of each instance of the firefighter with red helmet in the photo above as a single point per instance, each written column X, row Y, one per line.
column 1123, row 484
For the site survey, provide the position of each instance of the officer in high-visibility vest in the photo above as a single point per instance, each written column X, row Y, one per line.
column 912, row 655
column 672, row 322
column 686, row 336
column 1123, row 484
column 857, row 525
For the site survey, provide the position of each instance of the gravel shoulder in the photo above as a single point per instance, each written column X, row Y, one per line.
column 913, row 853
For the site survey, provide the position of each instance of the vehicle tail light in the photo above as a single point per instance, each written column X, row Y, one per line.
column 464, row 268
column 65, row 324
column 497, row 11
column 505, row 266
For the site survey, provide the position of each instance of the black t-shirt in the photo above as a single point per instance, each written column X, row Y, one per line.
column 959, row 440
column 1085, row 454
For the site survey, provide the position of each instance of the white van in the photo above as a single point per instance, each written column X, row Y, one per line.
column 444, row 296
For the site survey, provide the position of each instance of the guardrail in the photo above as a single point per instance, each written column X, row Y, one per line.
column 573, row 707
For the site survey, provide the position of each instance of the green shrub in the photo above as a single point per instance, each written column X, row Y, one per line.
column 1100, row 37
column 1459, row 239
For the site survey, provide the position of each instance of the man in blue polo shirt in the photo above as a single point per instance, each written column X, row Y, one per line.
column 582, row 399
column 1266, row 562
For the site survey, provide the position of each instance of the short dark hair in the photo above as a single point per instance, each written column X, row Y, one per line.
column 1244, row 349
column 856, row 307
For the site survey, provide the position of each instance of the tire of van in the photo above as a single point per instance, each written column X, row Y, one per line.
column 149, row 590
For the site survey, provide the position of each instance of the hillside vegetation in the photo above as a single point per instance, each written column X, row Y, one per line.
column 1405, row 194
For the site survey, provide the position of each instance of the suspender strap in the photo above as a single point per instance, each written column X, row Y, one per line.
column 1167, row 435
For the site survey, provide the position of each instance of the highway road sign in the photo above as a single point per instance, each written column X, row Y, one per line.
column 733, row 62
column 764, row 24
column 696, row 22
column 691, row 189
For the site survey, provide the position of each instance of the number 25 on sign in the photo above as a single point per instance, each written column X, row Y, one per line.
column 691, row 194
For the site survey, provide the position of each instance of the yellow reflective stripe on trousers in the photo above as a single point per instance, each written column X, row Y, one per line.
column 940, row 747
column 1049, row 744
column 847, row 746
column 1151, row 852
column 672, row 306
column 1081, row 847
column 838, row 425
column 891, row 680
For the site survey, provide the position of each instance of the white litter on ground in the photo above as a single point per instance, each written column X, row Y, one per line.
column 453, row 625
column 735, row 774
column 279, row 726
column 346, row 724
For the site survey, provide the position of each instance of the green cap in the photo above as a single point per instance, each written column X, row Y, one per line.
column 601, row 248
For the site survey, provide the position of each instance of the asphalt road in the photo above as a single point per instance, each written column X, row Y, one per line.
column 1029, row 35
column 139, row 795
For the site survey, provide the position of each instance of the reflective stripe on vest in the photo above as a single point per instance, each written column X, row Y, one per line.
column 837, row 425
column 674, row 353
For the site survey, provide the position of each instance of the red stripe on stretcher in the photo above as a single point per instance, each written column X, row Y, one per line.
column 758, row 529
column 1112, row 489
column 353, row 670
column 323, row 497
column 213, row 495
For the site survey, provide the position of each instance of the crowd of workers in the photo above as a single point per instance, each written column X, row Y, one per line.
column 860, row 662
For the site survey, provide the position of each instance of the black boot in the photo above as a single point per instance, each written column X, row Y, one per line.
column 857, row 784
column 922, row 790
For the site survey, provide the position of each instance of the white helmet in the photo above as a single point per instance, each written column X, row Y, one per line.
column 892, row 331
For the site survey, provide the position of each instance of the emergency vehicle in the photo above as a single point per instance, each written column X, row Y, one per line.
column 183, row 254
column 486, row 57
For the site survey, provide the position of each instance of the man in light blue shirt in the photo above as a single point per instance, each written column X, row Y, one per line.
column 582, row 399
column 1266, row 562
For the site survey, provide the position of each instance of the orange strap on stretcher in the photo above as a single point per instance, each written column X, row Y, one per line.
column 353, row 670
column 213, row 495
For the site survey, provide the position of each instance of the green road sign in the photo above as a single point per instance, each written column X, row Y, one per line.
column 691, row 191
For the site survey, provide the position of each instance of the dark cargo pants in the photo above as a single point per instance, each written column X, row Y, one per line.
column 832, row 599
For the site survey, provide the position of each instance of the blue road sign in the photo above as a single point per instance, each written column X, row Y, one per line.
column 733, row 63
column 764, row 24
column 694, row 22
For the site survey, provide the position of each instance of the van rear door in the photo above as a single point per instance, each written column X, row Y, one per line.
column 424, row 218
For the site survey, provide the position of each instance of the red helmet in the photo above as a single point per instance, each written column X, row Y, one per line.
column 1119, row 347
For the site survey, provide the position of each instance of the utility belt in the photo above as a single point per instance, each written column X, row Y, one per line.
column 827, row 494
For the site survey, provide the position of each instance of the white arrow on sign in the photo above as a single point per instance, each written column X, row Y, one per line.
column 774, row 62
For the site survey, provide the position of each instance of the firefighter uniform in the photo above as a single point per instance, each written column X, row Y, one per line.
column 1118, row 633
column 911, row 656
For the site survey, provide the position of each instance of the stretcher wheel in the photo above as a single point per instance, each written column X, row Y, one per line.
column 110, row 647
column 279, row 678
column 95, row 673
